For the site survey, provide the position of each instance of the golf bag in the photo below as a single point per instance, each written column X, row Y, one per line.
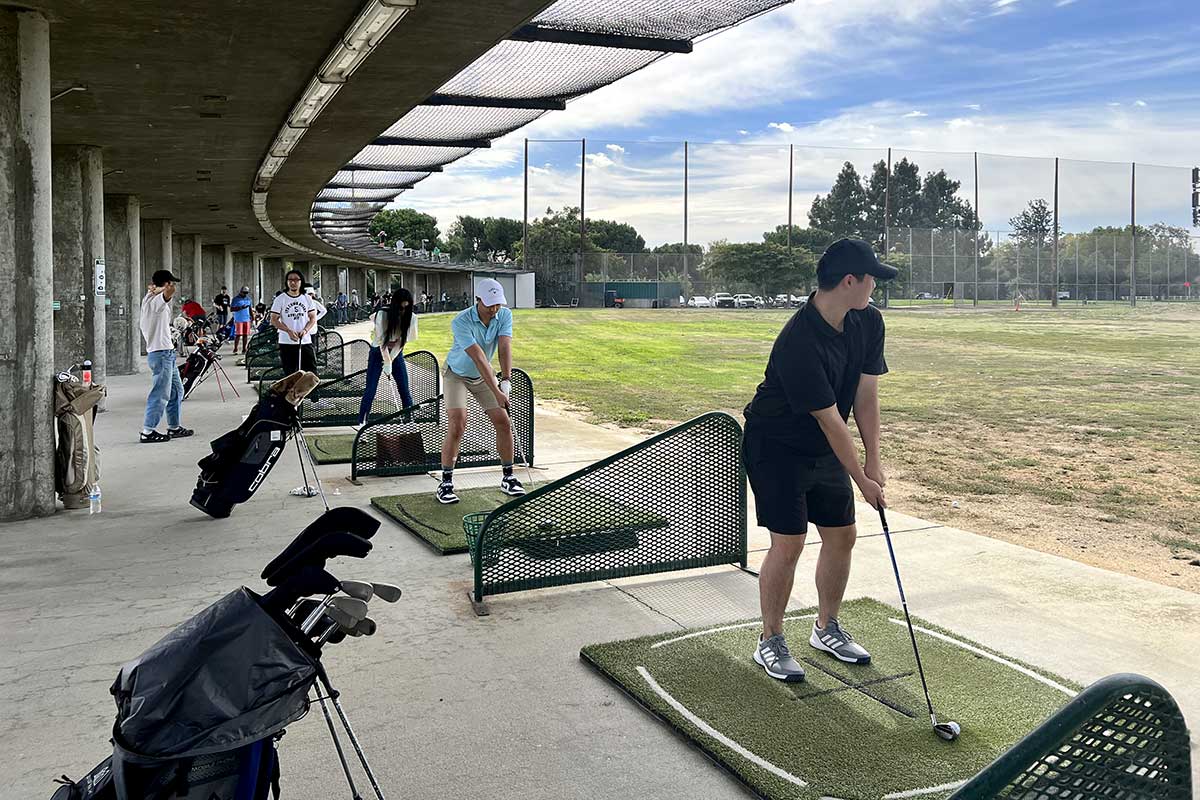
column 76, row 458
column 241, row 459
column 198, row 714
column 194, row 367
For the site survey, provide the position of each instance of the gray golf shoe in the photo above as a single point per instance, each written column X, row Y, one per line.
column 774, row 657
column 836, row 640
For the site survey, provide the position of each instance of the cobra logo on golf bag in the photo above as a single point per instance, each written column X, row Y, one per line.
column 265, row 468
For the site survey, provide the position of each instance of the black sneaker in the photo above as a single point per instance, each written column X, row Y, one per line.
column 445, row 493
column 179, row 433
column 511, row 486
column 154, row 436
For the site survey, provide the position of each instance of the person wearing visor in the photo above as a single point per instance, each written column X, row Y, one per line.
column 800, row 456
column 478, row 332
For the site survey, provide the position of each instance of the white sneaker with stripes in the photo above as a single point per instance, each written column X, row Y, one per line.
column 837, row 641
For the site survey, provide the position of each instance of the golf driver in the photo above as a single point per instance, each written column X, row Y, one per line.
column 945, row 730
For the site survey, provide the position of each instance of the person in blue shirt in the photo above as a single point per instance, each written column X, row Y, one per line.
column 241, row 306
column 479, row 332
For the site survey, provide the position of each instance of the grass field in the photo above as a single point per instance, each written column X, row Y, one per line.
column 1074, row 432
column 847, row 731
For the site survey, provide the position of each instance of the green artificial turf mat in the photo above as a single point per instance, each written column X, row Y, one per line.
column 847, row 731
column 441, row 525
column 331, row 448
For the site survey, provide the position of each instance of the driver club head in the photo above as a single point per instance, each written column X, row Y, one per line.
column 947, row 730
column 387, row 592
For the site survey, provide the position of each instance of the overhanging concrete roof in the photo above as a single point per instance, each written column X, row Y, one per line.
column 186, row 98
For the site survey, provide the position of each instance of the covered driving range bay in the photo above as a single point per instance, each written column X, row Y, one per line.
column 847, row 731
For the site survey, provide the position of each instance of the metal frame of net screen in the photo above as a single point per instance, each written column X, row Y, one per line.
column 336, row 402
column 1122, row 737
column 675, row 501
column 410, row 442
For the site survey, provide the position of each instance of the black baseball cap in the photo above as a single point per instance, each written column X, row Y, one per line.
column 161, row 276
column 852, row 257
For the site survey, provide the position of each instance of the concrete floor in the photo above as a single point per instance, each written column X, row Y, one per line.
column 448, row 704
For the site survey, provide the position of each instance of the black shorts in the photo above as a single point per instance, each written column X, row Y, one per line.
column 297, row 357
column 791, row 490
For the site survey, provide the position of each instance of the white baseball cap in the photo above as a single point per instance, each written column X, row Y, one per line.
column 490, row 292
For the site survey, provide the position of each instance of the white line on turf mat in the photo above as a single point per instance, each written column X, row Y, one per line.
column 945, row 787
column 715, row 734
column 724, row 628
column 986, row 654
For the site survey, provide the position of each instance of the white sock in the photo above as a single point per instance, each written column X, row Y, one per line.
column 147, row 431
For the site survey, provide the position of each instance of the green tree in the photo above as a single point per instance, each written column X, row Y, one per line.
column 463, row 235
column 408, row 224
column 615, row 237
column 842, row 212
column 556, row 234
column 762, row 267
column 814, row 240
column 501, row 235
column 1034, row 225
column 939, row 206
column 677, row 247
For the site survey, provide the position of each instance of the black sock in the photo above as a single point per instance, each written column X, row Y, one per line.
column 507, row 470
column 447, row 475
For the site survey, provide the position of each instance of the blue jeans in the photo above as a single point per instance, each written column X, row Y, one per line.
column 167, row 390
column 374, row 370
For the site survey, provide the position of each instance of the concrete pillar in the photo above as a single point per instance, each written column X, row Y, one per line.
column 187, row 256
column 243, row 271
column 26, row 269
column 91, row 164
column 227, row 271
column 123, row 269
column 212, row 259
column 273, row 269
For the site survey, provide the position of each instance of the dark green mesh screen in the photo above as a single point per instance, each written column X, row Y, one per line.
column 674, row 501
column 263, row 352
column 332, row 362
column 1122, row 737
column 336, row 402
column 411, row 443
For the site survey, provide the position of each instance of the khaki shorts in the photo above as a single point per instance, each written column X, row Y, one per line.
column 455, row 388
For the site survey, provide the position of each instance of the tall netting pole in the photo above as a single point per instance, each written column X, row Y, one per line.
column 525, row 219
column 1054, row 288
column 1133, row 234
column 978, row 225
column 686, row 272
column 582, row 183
column 887, row 202
column 791, row 174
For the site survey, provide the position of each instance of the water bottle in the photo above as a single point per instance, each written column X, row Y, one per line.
column 94, row 496
column 87, row 372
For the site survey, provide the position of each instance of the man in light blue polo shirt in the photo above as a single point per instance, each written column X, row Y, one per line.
column 478, row 332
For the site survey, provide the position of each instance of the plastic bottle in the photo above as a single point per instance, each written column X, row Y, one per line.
column 94, row 496
column 87, row 372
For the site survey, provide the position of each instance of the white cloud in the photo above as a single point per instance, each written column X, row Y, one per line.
column 916, row 114
column 615, row 148
column 1061, row 3
column 973, row 106
column 743, row 133
column 786, row 127
column 1141, row 103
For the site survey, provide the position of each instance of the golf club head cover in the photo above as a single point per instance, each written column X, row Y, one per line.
column 317, row 553
column 306, row 581
column 345, row 519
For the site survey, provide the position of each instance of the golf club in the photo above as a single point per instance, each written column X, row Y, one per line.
column 346, row 611
column 517, row 443
column 945, row 730
column 387, row 592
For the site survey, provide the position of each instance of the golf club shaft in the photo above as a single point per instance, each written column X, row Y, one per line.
column 313, row 464
column 337, row 706
column 337, row 745
column 907, row 619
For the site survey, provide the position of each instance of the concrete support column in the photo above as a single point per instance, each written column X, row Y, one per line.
column 187, row 254
column 212, row 259
column 243, row 271
column 123, row 268
column 156, row 254
column 227, row 270
column 91, row 168
column 273, row 269
column 26, row 269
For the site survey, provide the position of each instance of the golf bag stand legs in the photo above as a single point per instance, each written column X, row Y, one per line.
column 301, row 451
column 337, row 745
column 333, row 695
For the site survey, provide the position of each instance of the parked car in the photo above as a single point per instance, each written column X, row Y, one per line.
column 926, row 296
column 758, row 301
column 699, row 301
column 723, row 300
column 1064, row 294
column 778, row 301
column 799, row 301
column 743, row 301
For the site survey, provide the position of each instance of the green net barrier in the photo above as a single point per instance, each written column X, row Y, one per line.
column 1122, row 737
column 675, row 501
column 332, row 362
column 263, row 354
column 410, row 443
column 336, row 402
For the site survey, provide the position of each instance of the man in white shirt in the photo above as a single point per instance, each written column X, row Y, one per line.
column 167, row 389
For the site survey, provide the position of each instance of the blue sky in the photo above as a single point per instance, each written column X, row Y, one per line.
column 1085, row 80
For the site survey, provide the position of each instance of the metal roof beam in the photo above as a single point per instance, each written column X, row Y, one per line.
column 542, row 104
column 404, row 141
column 540, row 33
column 387, row 168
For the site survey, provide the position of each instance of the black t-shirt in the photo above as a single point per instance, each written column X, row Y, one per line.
column 813, row 366
column 221, row 301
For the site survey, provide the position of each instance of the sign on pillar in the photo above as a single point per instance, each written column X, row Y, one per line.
column 99, row 277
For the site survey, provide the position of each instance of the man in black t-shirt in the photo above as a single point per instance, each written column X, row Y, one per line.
column 221, row 304
column 800, row 456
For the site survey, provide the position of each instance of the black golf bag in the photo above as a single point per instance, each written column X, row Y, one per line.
column 241, row 459
column 191, row 370
column 198, row 714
